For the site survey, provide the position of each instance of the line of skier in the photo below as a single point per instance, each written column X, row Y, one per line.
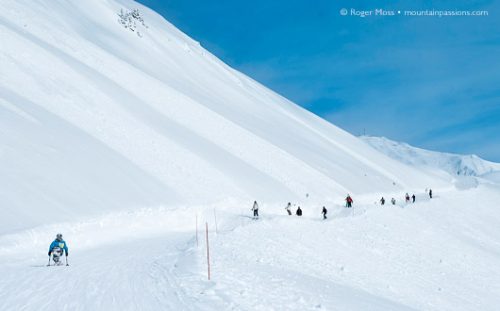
column 58, row 247
column 288, row 208
column 407, row 198
column 349, row 203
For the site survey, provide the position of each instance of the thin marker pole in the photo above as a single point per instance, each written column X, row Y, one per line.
column 215, row 217
column 196, row 230
column 208, row 250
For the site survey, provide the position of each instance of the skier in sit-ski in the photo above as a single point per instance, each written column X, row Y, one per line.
column 57, row 248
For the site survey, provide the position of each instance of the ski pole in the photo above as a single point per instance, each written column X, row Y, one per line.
column 67, row 260
column 48, row 265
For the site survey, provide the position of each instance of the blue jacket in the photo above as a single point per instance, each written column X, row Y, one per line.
column 61, row 244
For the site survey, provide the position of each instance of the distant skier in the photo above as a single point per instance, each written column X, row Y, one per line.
column 413, row 198
column 382, row 201
column 288, row 210
column 324, row 211
column 430, row 193
column 407, row 197
column 57, row 248
column 255, row 209
column 349, row 201
column 298, row 212
column 393, row 201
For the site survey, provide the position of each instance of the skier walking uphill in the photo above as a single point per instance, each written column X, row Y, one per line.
column 324, row 211
column 298, row 212
column 413, row 198
column 57, row 248
column 349, row 201
column 288, row 206
column 255, row 209
column 393, row 201
column 407, row 197
column 430, row 193
column 382, row 201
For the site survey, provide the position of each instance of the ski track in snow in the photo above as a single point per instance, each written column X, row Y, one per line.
column 371, row 257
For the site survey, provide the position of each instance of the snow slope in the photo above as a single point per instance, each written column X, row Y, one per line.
column 440, row 254
column 125, row 142
column 95, row 118
column 454, row 164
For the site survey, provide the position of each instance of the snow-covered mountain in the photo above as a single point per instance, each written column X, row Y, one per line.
column 105, row 108
column 125, row 135
column 454, row 164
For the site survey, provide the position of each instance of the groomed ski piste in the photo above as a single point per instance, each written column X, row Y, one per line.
column 439, row 254
column 124, row 135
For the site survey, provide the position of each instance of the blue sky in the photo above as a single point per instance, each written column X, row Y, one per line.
column 433, row 82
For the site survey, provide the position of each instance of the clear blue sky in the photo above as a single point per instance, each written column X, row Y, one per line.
column 432, row 82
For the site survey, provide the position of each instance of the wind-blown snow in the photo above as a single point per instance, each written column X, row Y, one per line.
column 124, row 141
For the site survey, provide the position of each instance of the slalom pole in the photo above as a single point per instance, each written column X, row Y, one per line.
column 215, row 217
column 208, row 250
column 196, row 230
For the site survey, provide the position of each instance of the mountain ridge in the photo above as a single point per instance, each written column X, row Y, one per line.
column 191, row 129
column 454, row 164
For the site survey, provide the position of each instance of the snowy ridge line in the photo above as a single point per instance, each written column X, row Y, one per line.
column 454, row 164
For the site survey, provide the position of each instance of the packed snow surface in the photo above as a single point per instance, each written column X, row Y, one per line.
column 122, row 133
column 439, row 254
